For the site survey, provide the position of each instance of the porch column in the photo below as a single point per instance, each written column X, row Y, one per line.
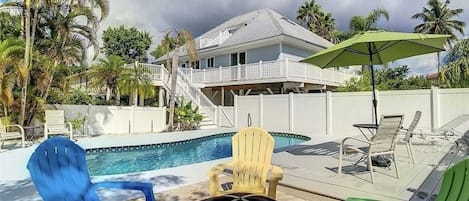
column 222, row 96
column 160, row 97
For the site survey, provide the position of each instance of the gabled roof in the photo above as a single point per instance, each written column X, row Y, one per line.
column 257, row 25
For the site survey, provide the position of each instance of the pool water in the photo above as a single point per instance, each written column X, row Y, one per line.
column 118, row 160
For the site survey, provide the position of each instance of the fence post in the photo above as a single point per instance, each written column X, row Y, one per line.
column 238, row 77
column 261, row 110
column 235, row 111
column 328, row 113
column 435, row 105
column 290, row 112
column 160, row 97
column 218, row 115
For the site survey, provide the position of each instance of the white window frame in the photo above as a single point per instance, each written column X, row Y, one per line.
column 238, row 57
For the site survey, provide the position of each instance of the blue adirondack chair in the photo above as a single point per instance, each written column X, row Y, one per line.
column 59, row 172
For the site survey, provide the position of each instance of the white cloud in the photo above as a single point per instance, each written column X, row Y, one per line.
column 198, row 16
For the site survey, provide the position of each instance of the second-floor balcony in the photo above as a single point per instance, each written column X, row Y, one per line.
column 266, row 72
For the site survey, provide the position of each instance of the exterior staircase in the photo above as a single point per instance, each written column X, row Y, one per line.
column 186, row 89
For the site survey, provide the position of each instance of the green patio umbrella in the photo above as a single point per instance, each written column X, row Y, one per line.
column 377, row 47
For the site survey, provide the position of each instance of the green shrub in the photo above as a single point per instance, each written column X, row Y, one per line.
column 78, row 97
column 187, row 117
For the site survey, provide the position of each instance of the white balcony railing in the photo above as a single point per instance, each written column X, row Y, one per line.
column 289, row 70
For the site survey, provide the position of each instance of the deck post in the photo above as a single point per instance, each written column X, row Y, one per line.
column 191, row 73
column 238, row 77
column 286, row 67
column 160, row 97
column 221, row 74
column 204, row 75
column 260, row 69
column 304, row 66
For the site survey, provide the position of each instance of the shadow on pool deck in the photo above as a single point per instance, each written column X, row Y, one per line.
column 24, row 190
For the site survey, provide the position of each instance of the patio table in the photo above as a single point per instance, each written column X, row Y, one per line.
column 370, row 127
column 239, row 197
column 30, row 133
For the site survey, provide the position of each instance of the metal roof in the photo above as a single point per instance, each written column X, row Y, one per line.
column 254, row 26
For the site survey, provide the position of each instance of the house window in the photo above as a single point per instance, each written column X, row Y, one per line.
column 242, row 58
column 195, row 64
column 183, row 65
column 238, row 58
column 234, row 59
column 210, row 62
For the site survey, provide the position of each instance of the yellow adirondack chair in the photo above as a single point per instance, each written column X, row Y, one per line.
column 252, row 153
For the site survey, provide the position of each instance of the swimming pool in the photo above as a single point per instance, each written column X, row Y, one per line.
column 127, row 159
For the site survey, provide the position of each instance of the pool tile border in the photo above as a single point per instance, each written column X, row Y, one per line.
column 165, row 144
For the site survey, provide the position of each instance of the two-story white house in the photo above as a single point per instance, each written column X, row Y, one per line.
column 254, row 53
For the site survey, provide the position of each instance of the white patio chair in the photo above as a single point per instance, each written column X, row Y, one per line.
column 409, row 133
column 55, row 124
column 382, row 143
column 9, row 135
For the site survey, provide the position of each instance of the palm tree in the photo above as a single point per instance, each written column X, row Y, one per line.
column 106, row 74
column 11, row 51
column 317, row 21
column 456, row 71
column 185, row 36
column 368, row 22
column 438, row 19
column 135, row 81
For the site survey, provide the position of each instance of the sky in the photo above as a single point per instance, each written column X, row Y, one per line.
column 198, row 16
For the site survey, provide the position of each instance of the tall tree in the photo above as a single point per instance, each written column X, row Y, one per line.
column 106, row 74
column 368, row 22
column 438, row 18
column 317, row 21
column 456, row 71
column 185, row 36
column 128, row 43
column 135, row 82
column 166, row 45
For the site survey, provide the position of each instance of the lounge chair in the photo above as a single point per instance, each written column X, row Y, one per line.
column 252, row 152
column 59, row 172
column 409, row 133
column 450, row 128
column 55, row 124
column 455, row 183
column 9, row 135
column 382, row 143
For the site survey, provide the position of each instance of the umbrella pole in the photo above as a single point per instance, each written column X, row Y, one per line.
column 375, row 102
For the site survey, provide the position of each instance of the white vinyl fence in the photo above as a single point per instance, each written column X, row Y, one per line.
column 116, row 119
column 334, row 113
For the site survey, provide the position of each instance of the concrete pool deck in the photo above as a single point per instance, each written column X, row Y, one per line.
column 15, row 182
column 302, row 169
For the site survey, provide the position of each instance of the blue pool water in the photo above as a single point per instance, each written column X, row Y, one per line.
column 118, row 160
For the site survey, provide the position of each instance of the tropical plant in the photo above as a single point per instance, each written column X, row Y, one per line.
column 186, row 116
column 10, row 26
column 438, row 18
column 11, row 51
column 317, row 21
column 181, row 36
column 456, row 71
column 106, row 74
column 136, row 82
column 78, row 97
column 128, row 43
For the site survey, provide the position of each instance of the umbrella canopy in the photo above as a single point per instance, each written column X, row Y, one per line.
column 377, row 47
